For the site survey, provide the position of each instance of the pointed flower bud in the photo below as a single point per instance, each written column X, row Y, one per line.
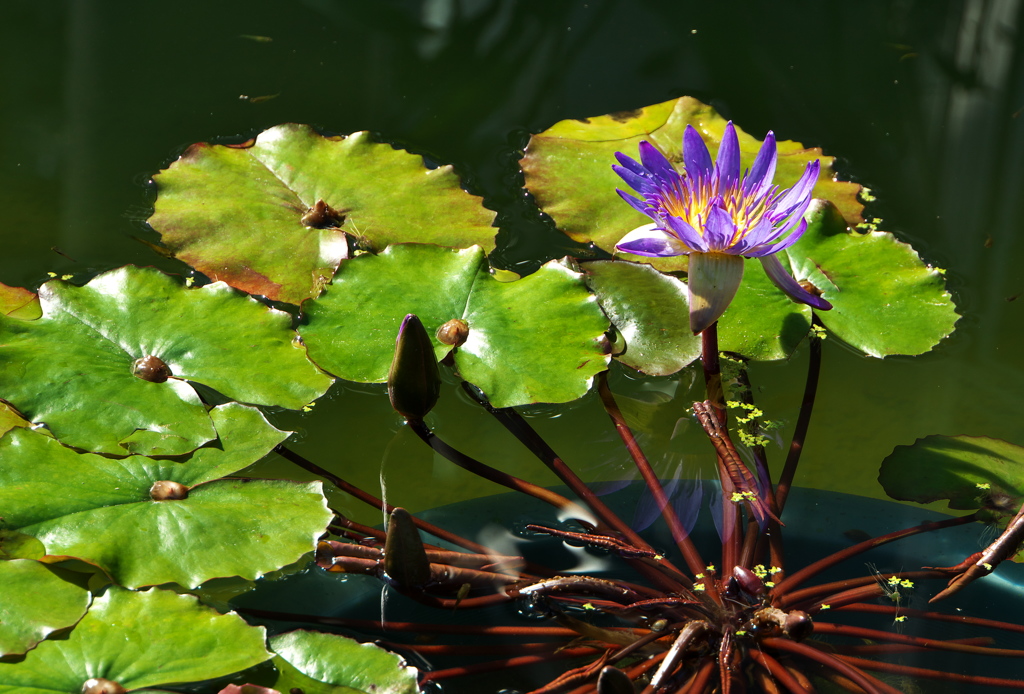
column 414, row 381
column 405, row 558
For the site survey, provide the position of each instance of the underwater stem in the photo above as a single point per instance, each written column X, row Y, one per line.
column 803, row 420
column 679, row 533
column 373, row 501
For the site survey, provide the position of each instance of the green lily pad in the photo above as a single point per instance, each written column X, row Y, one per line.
column 320, row 663
column 9, row 418
column 104, row 511
column 139, row 640
column 72, row 369
column 537, row 339
column 568, row 168
column 970, row 472
column 36, row 603
column 18, row 302
column 650, row 311
column 885, row 299
column 241, row 214
column 762, row 323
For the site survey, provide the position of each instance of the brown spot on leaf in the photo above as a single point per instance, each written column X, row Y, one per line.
column 152, row 369
column 582, row 120
column 623, row 116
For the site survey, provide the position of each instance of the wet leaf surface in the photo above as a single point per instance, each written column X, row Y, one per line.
column 36, row 602
column 18, row 302
column 762, row 323
column 568, row 168
column 270, row 217
column 320, row 663
column 74, row 368
column 650, row 311
column 103, row 511
column 885, row 299
column 139, row 640
column 537, row 339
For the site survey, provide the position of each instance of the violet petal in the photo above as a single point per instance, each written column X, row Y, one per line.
column 651, row 241
column 695, row 154
column 784, row 281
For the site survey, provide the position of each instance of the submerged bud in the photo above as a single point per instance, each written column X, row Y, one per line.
column 414, row 381
column 99, row 685
column 168, row 490
column 798, row 626
column 152, row 369
column 405, row 559
column 748, row 581
column 614, row 681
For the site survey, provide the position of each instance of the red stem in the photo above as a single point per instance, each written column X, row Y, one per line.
column 522, row 430
column 489, row 473
column 931, row 644
column 776, row 670
column 417, row 627
column 817, row 567
column 849, row 590
column 869, row 684
column 506, row 663
column 373, row 501
column 931, row 674
column 679, row 534
column 803, row 420
column 935, row 616
column 731, row 540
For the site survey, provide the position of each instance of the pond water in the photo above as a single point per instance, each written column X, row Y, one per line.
column 921, row 101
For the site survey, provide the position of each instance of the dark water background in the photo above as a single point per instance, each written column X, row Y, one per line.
column 922, row 101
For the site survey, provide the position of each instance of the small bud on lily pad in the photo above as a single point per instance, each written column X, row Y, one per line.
column 152, row 369
column 168, row 490
column 322, row 216
column 99, row 685
column 455, row 332
column 414, row 381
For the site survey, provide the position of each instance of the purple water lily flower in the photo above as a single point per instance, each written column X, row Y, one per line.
column 716, row 216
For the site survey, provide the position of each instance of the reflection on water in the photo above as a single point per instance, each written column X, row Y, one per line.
column 921, row 100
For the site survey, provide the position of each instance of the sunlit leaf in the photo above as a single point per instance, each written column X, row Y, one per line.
column 762, row 322
column 36, row 602
column 138, row 640
column 568, row 168
column 18, row 302
column 320, row 663
column 248, row 214
column 72, row 369
column 105, row 511
column 651, row 313
column 9, row 418
column 537, row 339
column 886, row 300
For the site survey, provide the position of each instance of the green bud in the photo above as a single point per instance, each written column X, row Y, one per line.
column 405, row 559
column 414, row 381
